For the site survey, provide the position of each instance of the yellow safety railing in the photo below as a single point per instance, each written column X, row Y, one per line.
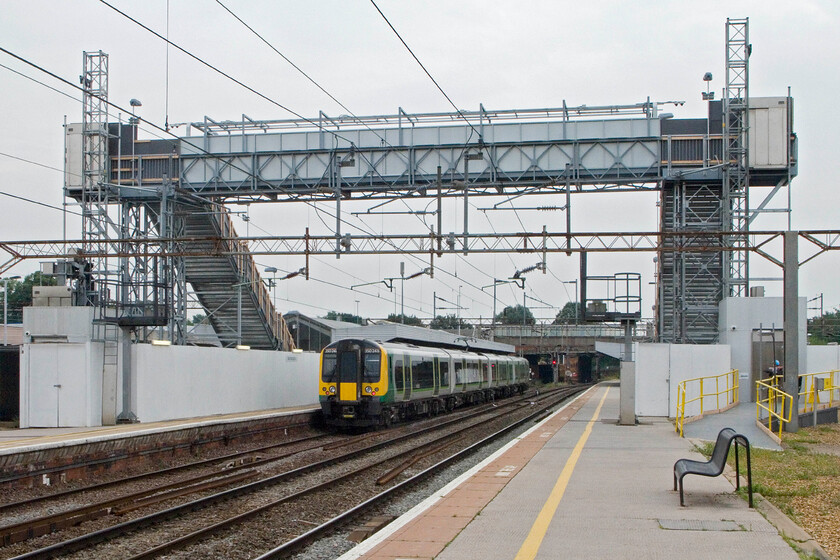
column 810, row 395
column 769, row 397
column 700, row 389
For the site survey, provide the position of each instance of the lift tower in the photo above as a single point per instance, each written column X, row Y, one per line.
column 736, row 157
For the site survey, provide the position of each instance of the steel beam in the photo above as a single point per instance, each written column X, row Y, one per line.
column 537, row 242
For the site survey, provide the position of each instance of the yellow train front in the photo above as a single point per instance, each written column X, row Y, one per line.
column 353, row 383
column 365, row 383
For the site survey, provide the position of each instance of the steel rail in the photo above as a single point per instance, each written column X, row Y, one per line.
column 86, row 541
column 284, row 550
column 434, row 446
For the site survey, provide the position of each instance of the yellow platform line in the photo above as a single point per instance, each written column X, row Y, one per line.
column 535, row 537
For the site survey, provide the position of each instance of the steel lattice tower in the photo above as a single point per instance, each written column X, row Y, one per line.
column 97, row 227
column 736, row 179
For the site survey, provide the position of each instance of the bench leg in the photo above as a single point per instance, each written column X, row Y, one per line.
column 675, row 481
column 682, row 500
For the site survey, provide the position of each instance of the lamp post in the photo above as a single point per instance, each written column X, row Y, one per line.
column 273, row 285
column 458, row 304
column 708, row 95
column 402, row 292
column 577, row 311
column 6, row 308
column 496, row 282
column 133, row 121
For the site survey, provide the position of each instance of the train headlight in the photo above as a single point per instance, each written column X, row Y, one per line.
column 332, row 390
column 368, row 389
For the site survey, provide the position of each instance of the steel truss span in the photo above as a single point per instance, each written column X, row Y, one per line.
column 367, row 163
column 759, row 242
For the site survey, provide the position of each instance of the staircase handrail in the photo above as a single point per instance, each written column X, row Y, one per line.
column 247, row 268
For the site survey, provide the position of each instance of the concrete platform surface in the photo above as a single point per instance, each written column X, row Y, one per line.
column 17, row 440
column 740, row 418
column 578, row 485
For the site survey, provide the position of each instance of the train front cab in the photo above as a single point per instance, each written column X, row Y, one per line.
column 353, row 382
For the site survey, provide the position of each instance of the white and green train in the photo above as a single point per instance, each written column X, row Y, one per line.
column 367, row 383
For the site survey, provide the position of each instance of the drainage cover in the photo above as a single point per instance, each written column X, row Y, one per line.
column 699, row 525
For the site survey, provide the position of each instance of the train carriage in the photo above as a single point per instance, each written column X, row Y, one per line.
column 366, row 383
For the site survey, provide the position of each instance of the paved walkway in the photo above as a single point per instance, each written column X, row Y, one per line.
column 578, row 485
column 740, row 418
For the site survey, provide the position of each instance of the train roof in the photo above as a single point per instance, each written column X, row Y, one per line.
column 395, row 332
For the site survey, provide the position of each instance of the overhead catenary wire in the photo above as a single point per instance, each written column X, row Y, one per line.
column 31, row 201
column 332, row 97
column 168, row 133
column 44, row 165
column 116, row 106
column 65, row 94
column 161, row 129
column 437, row 85
column 240, row 83
column 449, row 99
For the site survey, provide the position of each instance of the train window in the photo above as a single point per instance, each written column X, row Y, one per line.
column 423, row 373
column 398, row 374
column 444, row 373
column 459, row 376
column 328, row 366
column 472, row 372
column 373, row 361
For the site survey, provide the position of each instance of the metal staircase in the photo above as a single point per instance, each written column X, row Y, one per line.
column 230, row 289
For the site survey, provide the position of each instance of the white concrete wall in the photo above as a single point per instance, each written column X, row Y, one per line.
column 739, row 316
column 185, row 381
column 61, row 384
column 822, row 358
column 71, row 324
column 661, row 367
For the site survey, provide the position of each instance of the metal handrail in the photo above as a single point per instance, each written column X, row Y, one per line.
column 247, row 268
column 775, row 397
column 814, row 396
column 730, row 390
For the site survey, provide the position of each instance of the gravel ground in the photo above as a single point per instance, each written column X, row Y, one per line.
column 281, row 523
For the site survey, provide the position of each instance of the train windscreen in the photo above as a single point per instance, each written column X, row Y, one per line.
column 373, row 361
column 347, row 368
column 328, row 367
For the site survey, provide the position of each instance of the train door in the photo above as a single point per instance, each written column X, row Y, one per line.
column 437, row 375
column 349, row 372
column 399, row 376
column 409, row 375
column 458, row 372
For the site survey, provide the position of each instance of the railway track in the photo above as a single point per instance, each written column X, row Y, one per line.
column 346, row 474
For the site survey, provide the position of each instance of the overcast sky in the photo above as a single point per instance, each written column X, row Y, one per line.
column 506, row 55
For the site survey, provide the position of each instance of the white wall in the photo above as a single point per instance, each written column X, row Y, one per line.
column 185, row 381
column 653, row 373
column 61, row 384
column 822, row 358
column 661, row 367
column 70, row 324
column 739, row 316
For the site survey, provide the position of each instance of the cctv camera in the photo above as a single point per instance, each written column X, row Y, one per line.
column 27, row 333
column 733, row 327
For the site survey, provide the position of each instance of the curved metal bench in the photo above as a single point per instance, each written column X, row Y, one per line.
column 715, row 466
